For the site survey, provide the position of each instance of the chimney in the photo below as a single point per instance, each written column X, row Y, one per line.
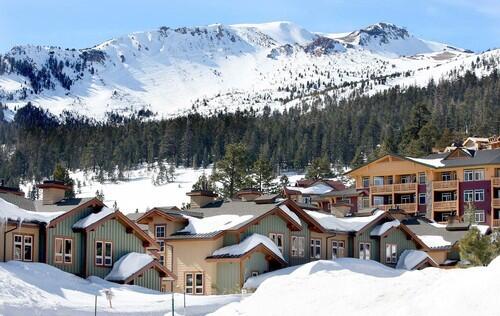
column 52, row 191
column 247, row 195
column 200, row 198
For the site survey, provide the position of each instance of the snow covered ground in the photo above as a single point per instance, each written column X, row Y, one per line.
column 39, row 289
column 356, row 287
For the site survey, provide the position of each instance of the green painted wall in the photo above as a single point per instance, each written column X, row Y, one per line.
column 230, row 239
column 123, row 243
column 228, row 277
column 64, row 229
column 307, row 241
column 271, row 224
column 365, row 237
column 150, row 279
column 399, row 238
column 256, row 262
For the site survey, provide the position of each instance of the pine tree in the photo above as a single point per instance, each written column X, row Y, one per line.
column 319, row 169
column 232, row 170
column 263, row 174
column 476, row 248
column 62, row 174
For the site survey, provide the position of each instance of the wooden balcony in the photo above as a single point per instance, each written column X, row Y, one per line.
column 444, row 206
column 495, row 181
column 445, row 185
column 410, row 208
column 495, row 203
column 496, row 223
column 378, row 189
column 405, row 187
column 384, row 207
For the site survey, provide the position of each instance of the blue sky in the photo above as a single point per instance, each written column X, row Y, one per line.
column 77, row 24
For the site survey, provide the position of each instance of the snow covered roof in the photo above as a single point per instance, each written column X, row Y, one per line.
column 291, row 214
column 213, row 224
column 410, row 259
column 344, row 224
column 380, row 230
column 247, row 245
column 430, row 162
column 317, row 188
column 93, row 218
column 434, row 241
column 9, row 211
column 128, row 265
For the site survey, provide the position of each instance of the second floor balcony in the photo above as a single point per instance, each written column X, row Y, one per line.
column 409, row 208
column 397, row 187
column 496, row 203
column 495, row 181
column 443, row 206
column 445, row 185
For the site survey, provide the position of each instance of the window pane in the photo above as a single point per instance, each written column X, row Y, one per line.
column 189, row 279
column 108, row 249
column 98, row 248
column 387, row 253
column 199, row 279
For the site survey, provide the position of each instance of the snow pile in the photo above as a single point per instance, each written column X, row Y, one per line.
column 291, row 214
column 9, row 211
column 346, row 224
column 319, row 188
column 409, row 259
column 213, row 224
column 379, row 230
column 365, row 288
column 40, row 289
column 248, row 244
column 434, row 241
column 93, row 218
column 127, row 265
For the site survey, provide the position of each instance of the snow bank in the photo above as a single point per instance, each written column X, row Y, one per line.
column 9, row 211
column 248, row 244
column 347, row 224
column 379, row 230
column 409, row 259
column 213, row 224
column 93, row 218
column 434, row 241
column 40, row 289
column 359, row 288
column 127, row 265
column 291, row 214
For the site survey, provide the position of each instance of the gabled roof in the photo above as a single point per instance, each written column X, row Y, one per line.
column 415, row 160
column 133, row 264
column 174, row 215
column 125, row 221
column 334, row 184
column 414, row 260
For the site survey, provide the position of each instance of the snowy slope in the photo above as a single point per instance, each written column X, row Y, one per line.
column 356, row 287
column 218, row 67
column 40, row 289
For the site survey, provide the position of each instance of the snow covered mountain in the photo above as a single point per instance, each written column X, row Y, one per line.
column 171, row 71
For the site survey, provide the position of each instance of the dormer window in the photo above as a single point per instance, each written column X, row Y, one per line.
column 160, row 231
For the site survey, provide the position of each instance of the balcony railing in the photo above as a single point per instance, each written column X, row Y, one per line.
column 381, row 189
column 495, row 181
column 445, row 185
column 405, row 187
column 406, row 207
column 496, row 203
column 496, row 223
column 444, row 206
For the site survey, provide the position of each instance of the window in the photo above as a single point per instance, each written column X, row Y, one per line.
column 447, row 196
column 337, row 249
column 405, row 199
column 162, row 260
column 378, row 200
column 422, row 178
column 194, row 283
column 406, row 179
column 28, row 248
column 365, row 202
column 103, row 253
column 160, row 231
column 421, row 199
column 366, row 182
column 306, row 199
column 63, row 250
column 255, row 273
column 391, row 253
column 445, row 176
column 315, row 252
column 162, row 245
column 297, row 246
column 378, row 180
column 468, row 175
column 390, row 180
column 18, row 246
column 345, row 200
column 479, row 195
column 479, row 216
column 278, row 240
column 468, row 195
column 478, row 174
column 364, row 250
